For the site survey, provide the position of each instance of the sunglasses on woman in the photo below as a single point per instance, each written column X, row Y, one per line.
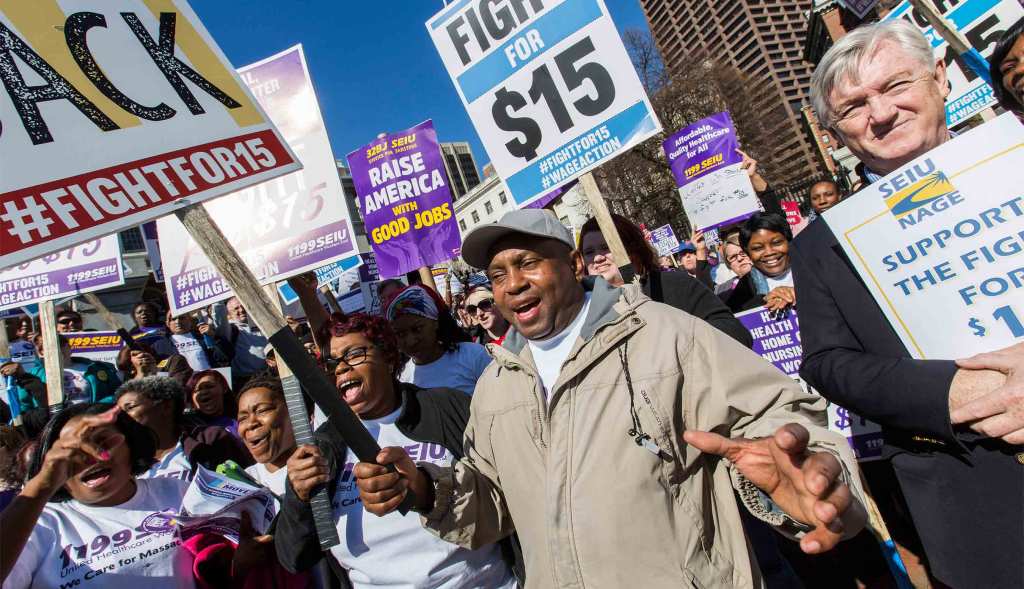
column 484, row 305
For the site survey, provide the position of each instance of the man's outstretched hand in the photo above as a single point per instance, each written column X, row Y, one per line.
column 804, row 484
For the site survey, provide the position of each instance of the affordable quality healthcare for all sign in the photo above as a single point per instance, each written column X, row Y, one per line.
column 548, row 85
column 116, row 112
column 940, row 243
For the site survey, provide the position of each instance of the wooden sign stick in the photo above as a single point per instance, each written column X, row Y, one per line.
column 52, row 361
column 267, row 317
column 604, row 220
column 109, row 318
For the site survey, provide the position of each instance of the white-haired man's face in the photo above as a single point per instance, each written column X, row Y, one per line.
column 894, row 112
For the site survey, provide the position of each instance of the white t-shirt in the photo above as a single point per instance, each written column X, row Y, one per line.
column 395, row 550
column 188, row 346
column 784, row 279
column 459, row 369
column 550, row 354
column 274, row 481
column 76, row 388
column 129, row 546
column 174, row 465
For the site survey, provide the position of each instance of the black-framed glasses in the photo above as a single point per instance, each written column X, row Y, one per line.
column 69, row 320
column 484, row 305
column 352, row 357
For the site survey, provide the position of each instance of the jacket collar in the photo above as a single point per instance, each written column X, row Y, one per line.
column 603, row 297
column 604, row 300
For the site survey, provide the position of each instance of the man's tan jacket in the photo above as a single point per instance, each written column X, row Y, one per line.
column 591, row 507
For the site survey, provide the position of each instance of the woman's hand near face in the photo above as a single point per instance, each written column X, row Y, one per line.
column 83, row 442
column 780, row 297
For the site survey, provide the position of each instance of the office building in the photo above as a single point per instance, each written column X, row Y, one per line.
column 460, row 165
column 763, row 39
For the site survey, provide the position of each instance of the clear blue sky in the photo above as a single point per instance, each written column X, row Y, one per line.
column 373, row 65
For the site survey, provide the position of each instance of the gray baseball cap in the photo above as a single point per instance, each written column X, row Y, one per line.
column 534, row 222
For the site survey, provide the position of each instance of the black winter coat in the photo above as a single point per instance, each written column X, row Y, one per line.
column 684, row 292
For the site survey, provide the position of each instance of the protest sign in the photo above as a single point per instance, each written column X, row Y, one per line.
column 777, row 340
column 214, row 503
column 405, row 200
column 280, row 228
column 861, row 8
column 79, row 269
column 714, row 189
column 549, row 87
column 664, row 240
column 142, row 115
column 149, row 236
column 982, row 22
column 324, row 275
column 943, row 236
column 96, row 345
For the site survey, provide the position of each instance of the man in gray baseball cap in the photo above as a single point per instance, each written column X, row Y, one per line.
column 531, row 222
column 576, row 436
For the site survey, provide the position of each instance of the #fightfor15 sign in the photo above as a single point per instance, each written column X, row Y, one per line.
column 548, row 85
column 113, row 113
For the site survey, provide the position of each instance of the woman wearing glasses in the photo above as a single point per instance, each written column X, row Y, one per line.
column 677, row 289
column 491, row 326
column 393, row 550
column 440, row 352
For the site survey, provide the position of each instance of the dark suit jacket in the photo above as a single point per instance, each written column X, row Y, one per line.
column 965, row 493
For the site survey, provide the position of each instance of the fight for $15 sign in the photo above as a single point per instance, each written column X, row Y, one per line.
column 114, row 113
column 548, row 85
column 939, row 243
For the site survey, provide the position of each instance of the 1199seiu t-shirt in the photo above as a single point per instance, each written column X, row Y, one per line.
column 130, row 546
column 395, row 550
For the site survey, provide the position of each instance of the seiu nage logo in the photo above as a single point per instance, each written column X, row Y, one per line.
column 918, row 192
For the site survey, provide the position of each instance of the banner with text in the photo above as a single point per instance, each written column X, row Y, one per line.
column 943, row 236
column 714, row 189
column 549, row 87
column 96, row 345
column 281, row 228
column 406, row 203
column 664, row 240
column 777, row 340
column 83, row 268
column 107, row 129
column 982, row 22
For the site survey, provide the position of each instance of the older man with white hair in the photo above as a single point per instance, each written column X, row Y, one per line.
column 953, row 429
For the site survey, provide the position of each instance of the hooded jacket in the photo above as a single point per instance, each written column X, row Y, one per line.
column 592, row 506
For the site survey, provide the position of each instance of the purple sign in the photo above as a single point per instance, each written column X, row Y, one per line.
column 287, row 226
column 86, row 267
column 714, row 189
column 777, row 340
column 405, row 200
column 545, row 200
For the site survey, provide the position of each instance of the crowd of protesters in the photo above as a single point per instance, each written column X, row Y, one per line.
column 570, row 419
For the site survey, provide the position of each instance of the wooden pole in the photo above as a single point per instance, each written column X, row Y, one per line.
column 109, row 318
column 604, row 219
column 943, row 27
column 426, row 278
column 887, row 545
column 5, row 344
column 332, row 301
column 267, row 317
column 52, row 360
